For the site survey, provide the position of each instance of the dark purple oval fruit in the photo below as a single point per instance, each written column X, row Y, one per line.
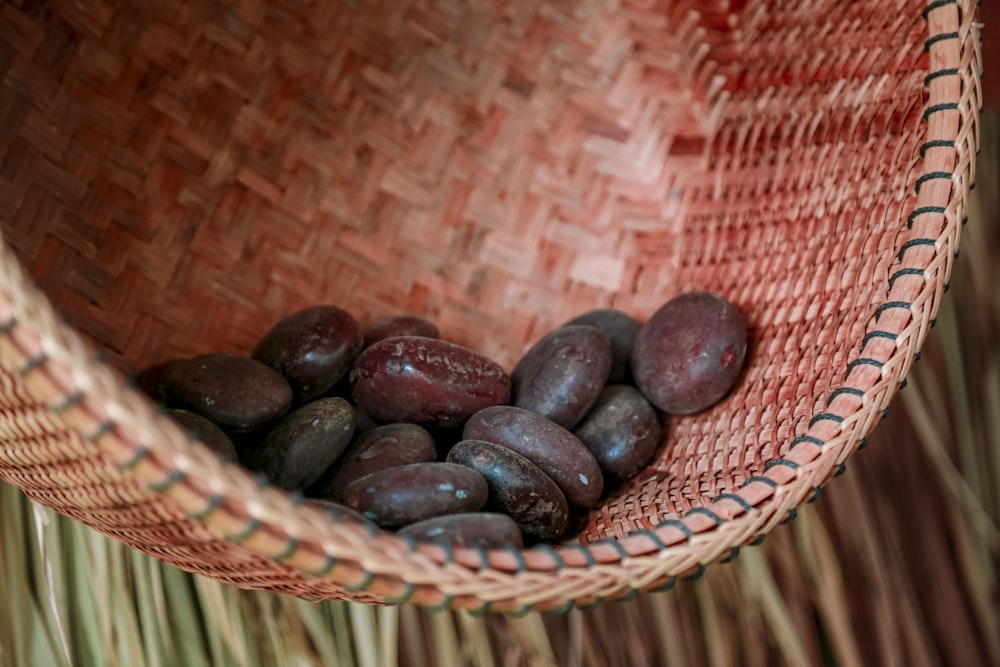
column 621, row 430
column 488, row 530
column 690, row 353
column 150, row 379
column 237, row 393
column 426, row 381
column 621, row 331
column 312, row 348
column 399, row 325
column 517, row 487
column 205, row 431
column 304, row 444
column 559, row 453
column 411, row 493
column 381, row 448
column 562, row 374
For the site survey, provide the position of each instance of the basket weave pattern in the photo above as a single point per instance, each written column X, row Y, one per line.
column 175, row 177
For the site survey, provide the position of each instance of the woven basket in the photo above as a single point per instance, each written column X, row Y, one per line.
column 177, row 176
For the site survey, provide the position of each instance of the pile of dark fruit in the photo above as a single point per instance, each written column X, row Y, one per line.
column 395, row 426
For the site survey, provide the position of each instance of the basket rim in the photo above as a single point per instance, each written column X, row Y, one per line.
column 94, row 402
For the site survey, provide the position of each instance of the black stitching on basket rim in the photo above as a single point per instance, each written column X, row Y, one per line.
column 817, row 494
column 806, row 440
column 924, row 210
column 736, row 498
column 864, row 361
column 585, row 550
column 291, row 545
column 905, row 272
column 325, row 570
column 762, row 479
column 657, row 542
column 903, row 383
column 519, row 557
column 624, row 555
column 824, row 417
column 552, row 551
column 933, row 175
column 141, row 452
column 102, row 430
column 449, row 553
column 598, row 601
column 937, row 4
column 887, row 335
column 694, row 576
column 484, row 556
column 733, row 553
column 520, row 612
column 782, row 462
column 253, row 525
column 889, row 305
column 841, row 469
column 707, row 512
column 365, row 583
column 32, row 364
column 935, row 143
column 939, row 73
column 792, row 514
column 68, row 401
column 931, row 41
column 665, row 586
column 407, row 593
column 758, row 540
column 560, row 611
column 483, row 609
column 678, row 524
column 175, row 476
column 8, row 325
column 214, row 502
column 841, row 391
column 628, row 597
column 914, row 242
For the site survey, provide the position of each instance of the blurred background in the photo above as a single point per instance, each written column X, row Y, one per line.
column 896, row 564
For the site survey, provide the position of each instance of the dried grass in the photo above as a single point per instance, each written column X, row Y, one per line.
column 898, row 564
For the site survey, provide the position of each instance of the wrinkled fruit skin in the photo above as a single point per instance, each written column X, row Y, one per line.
column 238, row 393
column 559, row 453
column 206, row 432
column 517, row 487
column 690, row 353
column 426, row 381
column 621, row 330
column 400, row 325
column 312, row 348
column 621, row 430
column 562, row 374
column 411, row 493
column 300, row 448
column 488, row 530
column 381, row 448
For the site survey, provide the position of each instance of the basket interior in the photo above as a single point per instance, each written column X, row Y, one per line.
column 178, row 176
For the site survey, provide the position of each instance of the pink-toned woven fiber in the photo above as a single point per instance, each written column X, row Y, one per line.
column 177, row 176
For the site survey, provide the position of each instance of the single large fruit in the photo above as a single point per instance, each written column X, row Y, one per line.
column 562, row 374
column 690, row 352
column 517, row 487
column 238, row 393
column 621, row 330
column 312, row 348
column 426, row 381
